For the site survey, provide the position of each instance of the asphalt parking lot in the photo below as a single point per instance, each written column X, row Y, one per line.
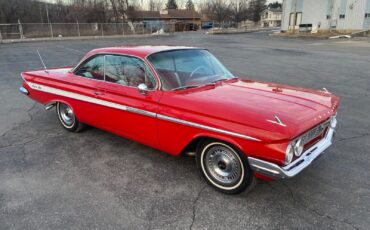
column 53, row 179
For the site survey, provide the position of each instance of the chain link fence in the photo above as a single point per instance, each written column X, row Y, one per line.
column 19, row 31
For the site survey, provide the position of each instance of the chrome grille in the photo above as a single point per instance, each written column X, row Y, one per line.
column 315, row 132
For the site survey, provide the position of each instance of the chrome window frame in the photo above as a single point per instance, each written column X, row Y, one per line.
column 145, row 62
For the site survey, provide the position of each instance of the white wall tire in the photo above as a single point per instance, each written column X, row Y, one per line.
column 67, row 118
column 224, row 167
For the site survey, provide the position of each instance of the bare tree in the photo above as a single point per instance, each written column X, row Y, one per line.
column 189, row 5
column 255, row 9
column 218, row 10
column 151, row 5
column 171, row 4
column 239, row 10
column 155, row 5
column 114, row 6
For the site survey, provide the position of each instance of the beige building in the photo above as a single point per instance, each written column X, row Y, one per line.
column 184, row 20
column 271, row 17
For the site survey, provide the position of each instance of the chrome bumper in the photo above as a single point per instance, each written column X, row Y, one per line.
column 23, row 90
column 275, row 171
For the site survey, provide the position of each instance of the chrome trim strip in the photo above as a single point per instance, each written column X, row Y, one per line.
column 76, row 96
column 23, row 90
column 277, row 121
column 195, row 125
column 274, row 170
column 142, row 112
column 80, row 97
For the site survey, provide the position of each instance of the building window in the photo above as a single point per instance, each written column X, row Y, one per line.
column 367, row 15
column 328, row 17
column 342, row 16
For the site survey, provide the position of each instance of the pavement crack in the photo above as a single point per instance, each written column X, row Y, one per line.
column 316, row 212
column 16, row 125
column 29, row 111
column 354, row 137
column 195, row 207
column 24, row 149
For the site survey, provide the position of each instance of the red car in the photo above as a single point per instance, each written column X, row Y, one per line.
column 183, row 100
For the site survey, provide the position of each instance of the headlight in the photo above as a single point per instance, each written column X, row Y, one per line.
column 289, row 154
column 298, row 147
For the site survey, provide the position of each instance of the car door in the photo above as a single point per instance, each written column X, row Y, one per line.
column 132, row 113
column 82, row 83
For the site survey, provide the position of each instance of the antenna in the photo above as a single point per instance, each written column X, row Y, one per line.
column 326, row 90
column 42, row 61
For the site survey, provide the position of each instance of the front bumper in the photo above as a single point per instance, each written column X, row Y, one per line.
column 275, row 171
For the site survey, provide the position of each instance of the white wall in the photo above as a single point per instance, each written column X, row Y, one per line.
column 355, row 17
column 315, row 12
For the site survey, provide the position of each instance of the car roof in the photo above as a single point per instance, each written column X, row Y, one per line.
column 139, row 51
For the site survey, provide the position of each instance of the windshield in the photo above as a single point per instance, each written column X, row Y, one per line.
column 182, row 69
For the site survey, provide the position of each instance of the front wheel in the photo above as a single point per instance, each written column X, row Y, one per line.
column 224, row 167
column 67, row 118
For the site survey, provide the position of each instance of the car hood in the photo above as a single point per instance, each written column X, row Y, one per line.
column 255, row 104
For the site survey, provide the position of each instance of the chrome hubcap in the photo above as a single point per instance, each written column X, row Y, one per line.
column 66, row 114
column 223, row 165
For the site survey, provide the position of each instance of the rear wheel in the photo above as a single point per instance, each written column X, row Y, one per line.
column 67, row 118
column 224, row 167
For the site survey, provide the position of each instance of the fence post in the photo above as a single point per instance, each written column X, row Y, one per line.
column 78, row 29
column 20, row 29
column 123, row 29
column 102, row 30
column 1, row 37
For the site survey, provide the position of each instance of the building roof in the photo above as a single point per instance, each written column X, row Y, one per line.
column 166, row 14
column 137, row 51
column 145, row 14
column 275, row 10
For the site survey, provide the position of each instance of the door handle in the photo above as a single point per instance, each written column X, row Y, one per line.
column 97, row 93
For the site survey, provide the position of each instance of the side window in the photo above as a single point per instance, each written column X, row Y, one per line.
column 93, row 69
column 127, row 71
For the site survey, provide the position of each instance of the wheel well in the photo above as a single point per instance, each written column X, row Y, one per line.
column 192, row 146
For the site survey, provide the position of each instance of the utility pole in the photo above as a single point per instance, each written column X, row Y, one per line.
column 47, row 16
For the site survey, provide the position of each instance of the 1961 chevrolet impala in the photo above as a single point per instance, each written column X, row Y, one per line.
column 183, row 100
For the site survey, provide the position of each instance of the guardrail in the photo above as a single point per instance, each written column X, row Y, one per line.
column 21, row 31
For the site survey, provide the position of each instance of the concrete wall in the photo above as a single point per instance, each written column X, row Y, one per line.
column 316, row 12
column 367, row 20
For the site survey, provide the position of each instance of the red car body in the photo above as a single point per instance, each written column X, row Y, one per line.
column 258, row 118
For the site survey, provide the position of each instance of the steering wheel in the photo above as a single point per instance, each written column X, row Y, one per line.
column 196, row 70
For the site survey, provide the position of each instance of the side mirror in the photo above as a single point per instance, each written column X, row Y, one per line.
column 143, row 88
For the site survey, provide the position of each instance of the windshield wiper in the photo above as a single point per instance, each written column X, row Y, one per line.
column 223, row 79
column 185, row 87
